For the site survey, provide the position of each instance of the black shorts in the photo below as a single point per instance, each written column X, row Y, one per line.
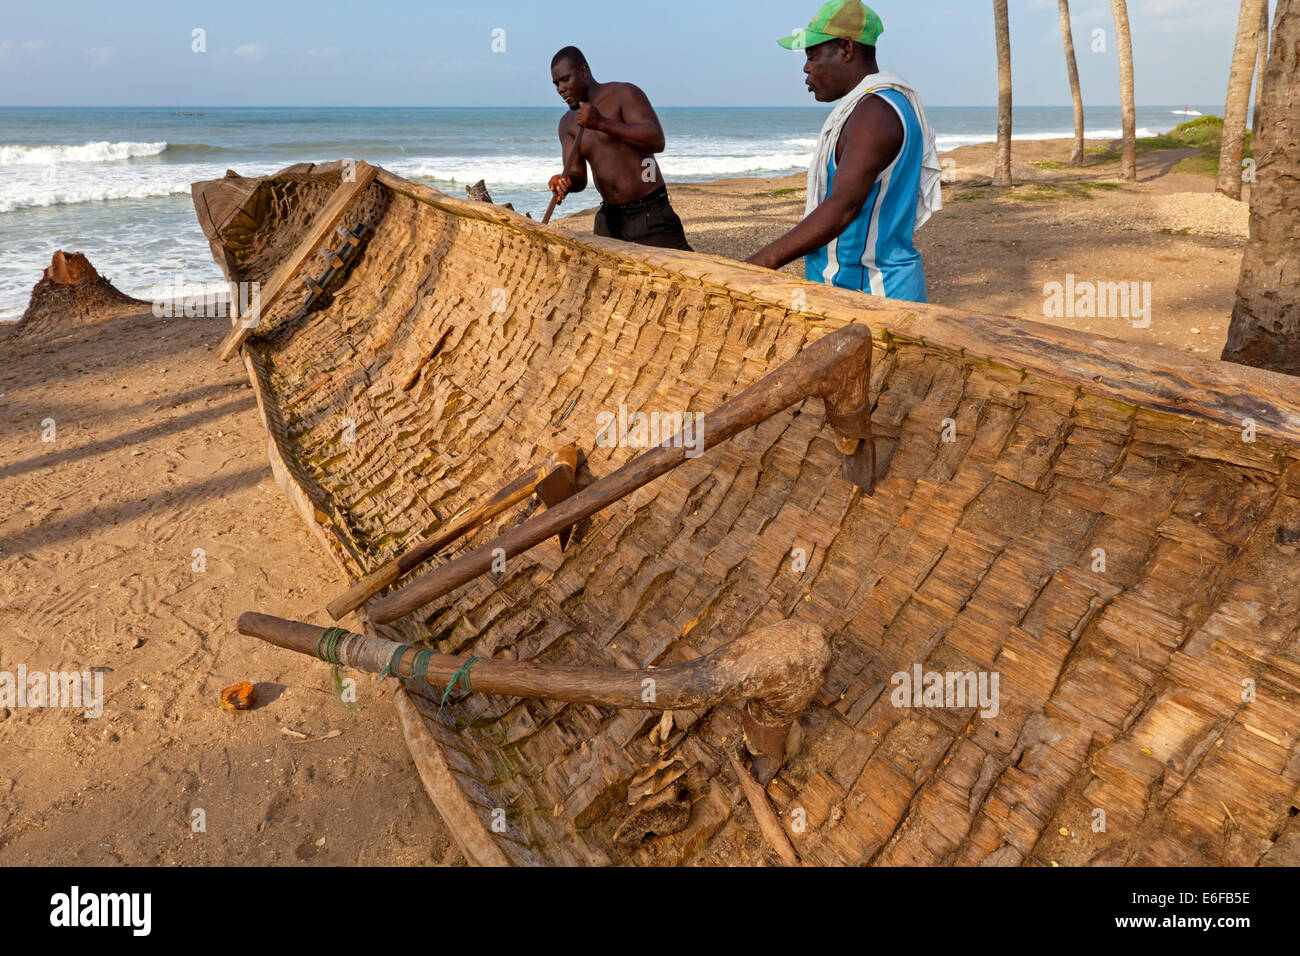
column 649, row 221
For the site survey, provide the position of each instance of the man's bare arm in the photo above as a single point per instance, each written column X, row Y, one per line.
column 639, row 126
column 574, row 178
column 869, row 142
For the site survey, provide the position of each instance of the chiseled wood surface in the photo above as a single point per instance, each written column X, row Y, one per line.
column 347, row 192
column 469, row 341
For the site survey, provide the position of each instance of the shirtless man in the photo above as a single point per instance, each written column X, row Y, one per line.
column 620, row 135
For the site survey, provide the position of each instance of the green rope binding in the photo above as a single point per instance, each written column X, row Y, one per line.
column 330, row 638
column 419, row 663
column 462, row 676
column 327, row 649
column 394, row 663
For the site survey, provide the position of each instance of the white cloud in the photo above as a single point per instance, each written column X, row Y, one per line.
column 34, row 46
column 100, row 55
column 251, row 51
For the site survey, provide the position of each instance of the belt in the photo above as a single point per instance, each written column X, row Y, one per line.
column 654, row 198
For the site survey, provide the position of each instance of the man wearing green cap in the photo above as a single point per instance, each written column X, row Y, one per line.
column 875, row 175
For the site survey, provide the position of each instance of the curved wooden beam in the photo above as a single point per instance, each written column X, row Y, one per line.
column 774, row 670
column 456, row 811
column 835, row 368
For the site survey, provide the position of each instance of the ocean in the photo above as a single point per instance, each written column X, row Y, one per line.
column 114, row 182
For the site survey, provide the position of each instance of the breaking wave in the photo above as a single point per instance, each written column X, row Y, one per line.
column 536, row 170
column 53, row 184
column 101, row 152
column 26, row 195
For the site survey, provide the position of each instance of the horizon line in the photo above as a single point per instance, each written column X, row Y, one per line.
column 435, row 106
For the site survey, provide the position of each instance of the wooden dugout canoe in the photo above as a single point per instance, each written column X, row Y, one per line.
column 1083, row 517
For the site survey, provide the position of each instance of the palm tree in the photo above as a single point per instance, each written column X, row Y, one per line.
column 1236, row 113
column 1072, row 67
column 1265, row 329
column 1262, row 64
column 1124, row 44
column 1001, row 26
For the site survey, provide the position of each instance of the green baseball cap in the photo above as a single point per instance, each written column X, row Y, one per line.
column 838, row 20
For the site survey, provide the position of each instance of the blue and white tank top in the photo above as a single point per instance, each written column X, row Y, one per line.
column 876, row 254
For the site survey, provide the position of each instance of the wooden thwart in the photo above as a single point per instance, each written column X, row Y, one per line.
column 321, row 228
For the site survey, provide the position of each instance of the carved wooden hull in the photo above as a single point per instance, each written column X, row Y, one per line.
column 1147, row 707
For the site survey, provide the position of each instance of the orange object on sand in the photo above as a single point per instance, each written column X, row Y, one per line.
column 238, row 696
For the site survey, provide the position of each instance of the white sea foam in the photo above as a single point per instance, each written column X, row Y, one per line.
column 1187, row 112
column 731, row 165
column 66, row 175
column 66, row 184
column 535, row 170
column 25, row 194
column 177, row 288
column 101, row 152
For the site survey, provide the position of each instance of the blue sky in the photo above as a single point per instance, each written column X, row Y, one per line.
column 682, row 52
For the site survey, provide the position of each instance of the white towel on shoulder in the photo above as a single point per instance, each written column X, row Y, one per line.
column 930, row 199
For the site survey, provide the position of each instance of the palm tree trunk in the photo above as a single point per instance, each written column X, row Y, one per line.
column 1261, row 66
column 1072, row 67
column 1124, row 46
column 1236, row 112
column 1265, row 329
column 1001, row 26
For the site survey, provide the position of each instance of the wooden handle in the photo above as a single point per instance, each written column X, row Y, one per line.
column 364, row 590
column 351, row 599
column 568, row 161
column 776, row 670
column 836, row 368
column 550, row 210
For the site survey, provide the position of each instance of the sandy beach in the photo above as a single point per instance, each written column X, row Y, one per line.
column 133, row 541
